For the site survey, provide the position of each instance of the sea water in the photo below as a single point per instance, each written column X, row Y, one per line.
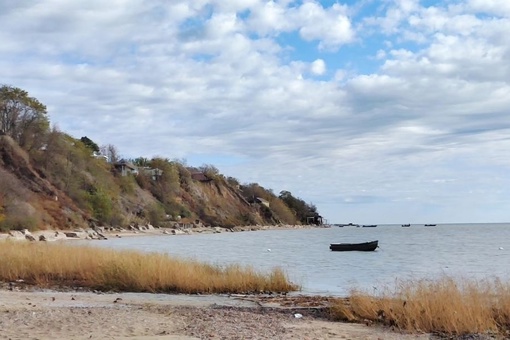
column 472, row 251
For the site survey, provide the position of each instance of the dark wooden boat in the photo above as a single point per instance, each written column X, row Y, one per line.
column 348, row 225
column 369, row 225
column 406, row 225
column 430, row 225
column 366, row 246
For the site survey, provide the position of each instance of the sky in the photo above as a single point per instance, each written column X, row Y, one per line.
column 376, row 111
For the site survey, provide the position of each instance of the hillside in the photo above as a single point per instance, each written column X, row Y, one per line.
column 34, row 197
column 28, row 200
column 50, row 180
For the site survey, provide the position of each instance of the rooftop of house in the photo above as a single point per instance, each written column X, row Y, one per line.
column 125, row 163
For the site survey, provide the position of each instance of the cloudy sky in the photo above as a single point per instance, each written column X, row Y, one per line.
column 377, row 111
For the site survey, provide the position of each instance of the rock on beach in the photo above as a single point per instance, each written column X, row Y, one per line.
column 101, row 233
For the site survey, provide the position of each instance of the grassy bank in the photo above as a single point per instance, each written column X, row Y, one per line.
column 444, row 306
column 46, row 264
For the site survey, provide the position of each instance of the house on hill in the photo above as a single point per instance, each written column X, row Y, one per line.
column 124, row 168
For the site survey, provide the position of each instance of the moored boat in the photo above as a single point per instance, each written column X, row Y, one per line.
column 430, row 225
column 406, row 225
column 369, row 225
column 365, row 246
column 348, row 225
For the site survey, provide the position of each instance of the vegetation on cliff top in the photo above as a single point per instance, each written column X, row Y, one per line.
column 49, row 179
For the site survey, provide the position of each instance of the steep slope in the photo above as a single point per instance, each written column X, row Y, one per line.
column 217, row 203
column 34, row 196
column 29, row 198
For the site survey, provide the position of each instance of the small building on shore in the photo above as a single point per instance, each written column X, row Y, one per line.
column 316, row 219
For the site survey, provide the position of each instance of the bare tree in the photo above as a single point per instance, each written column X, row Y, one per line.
column 111, row 152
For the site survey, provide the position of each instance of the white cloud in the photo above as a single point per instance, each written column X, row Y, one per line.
column 318, row 67
column 381, row 54
column 222, row 24
column 270, row 18
column 224, row 79
column 493, row 7
column 332, row 26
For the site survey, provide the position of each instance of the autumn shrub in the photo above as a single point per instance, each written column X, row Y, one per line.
column 282, row 212
column 174, row 209
column 104, row 207
column 144, row 181
column 101, row 204
column 185, row 212
column 247, row 219
column 155, row 213
column 446, row 306
column 19, row 215
column 233, row 182
column 47, row 264
column 184, row 176
column 18, row 223
column 211, row 172
column 166, row 184
column 2, row 215
column 127, row 184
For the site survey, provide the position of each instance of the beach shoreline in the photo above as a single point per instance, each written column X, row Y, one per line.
column 49, row 314
column 29, row 311
column 101, row 233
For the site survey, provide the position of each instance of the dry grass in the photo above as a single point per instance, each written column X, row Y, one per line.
column 443, row 306
column 64, row 265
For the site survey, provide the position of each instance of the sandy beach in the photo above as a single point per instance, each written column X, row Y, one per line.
column 47, row 314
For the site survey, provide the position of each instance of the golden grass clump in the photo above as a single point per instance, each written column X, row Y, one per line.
column 442, row 306
column 103, row 269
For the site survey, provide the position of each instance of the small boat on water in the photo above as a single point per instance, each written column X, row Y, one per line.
column 369, row 225
column 366, row 246
column 348, row 225
column 430, row 225
column 406, row 225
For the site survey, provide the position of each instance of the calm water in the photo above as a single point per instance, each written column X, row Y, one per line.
column 459, row 250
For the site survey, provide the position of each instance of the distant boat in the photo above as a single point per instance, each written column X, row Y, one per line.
column 348, row 225
column 406, row 225
column 430, row 225
column 366, row 246
column 369, row 225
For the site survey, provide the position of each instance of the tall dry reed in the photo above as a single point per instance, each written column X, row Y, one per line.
column 66, row 265
column 445, row 306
